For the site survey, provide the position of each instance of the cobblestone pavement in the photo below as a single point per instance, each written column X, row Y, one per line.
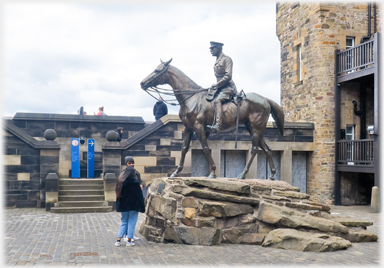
column 37, row 237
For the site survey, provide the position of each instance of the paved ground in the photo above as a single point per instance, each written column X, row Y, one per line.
column 37, row 237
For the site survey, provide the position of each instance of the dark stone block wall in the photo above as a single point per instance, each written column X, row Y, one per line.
column 78, row 126
column 21, row 173
column 28, row 158
column 293, row 132
column 157, row 148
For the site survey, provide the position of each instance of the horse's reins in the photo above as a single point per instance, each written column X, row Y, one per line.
column 170, row 91
column 173, row 93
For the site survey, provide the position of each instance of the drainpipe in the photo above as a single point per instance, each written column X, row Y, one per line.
column 374, row 16
column 363, row 124
column 369, row 25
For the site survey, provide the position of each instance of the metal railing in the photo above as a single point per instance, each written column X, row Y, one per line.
column 356, row 152
column 355, row 58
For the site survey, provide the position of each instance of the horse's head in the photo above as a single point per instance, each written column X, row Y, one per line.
column 156, row 77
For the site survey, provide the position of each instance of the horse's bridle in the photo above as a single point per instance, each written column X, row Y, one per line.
column 165, row 91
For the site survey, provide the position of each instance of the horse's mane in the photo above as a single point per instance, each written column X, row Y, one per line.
column 191, row 83
column 200, row 96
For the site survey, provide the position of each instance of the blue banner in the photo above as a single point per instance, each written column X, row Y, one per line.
column 75, row 157
column 91, row 158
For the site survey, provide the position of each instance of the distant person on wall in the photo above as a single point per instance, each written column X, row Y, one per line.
column 101, row 111
column 160, row 109
column 129, row 201
column 120, row 131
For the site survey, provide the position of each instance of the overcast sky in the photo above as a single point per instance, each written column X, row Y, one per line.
column 58, row 57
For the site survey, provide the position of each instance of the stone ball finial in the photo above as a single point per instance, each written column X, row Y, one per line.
column 50, row 134
column 112, row 135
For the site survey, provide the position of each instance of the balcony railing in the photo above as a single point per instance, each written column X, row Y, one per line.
column 356, row 152
column 356, row 58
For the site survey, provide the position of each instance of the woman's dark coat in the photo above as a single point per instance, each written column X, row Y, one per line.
column 131, row 196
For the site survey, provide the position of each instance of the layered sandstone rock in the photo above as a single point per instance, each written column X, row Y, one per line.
column 201, row 211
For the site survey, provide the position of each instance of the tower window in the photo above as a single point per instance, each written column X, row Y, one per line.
column 300, row 64
column 349, row 42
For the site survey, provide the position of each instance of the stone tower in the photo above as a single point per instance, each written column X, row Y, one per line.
column 309, row 35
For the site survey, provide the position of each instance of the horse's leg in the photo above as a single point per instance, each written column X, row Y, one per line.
column 255, row 142
column 201, row 135
column 268, row 153
column 187, row 140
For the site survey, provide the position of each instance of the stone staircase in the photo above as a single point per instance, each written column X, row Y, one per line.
column 81, row 196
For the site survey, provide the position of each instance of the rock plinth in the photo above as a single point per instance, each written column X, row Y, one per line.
column 201, row 211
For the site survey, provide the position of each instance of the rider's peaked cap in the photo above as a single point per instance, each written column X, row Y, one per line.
column 129, row 158
column 216, row 44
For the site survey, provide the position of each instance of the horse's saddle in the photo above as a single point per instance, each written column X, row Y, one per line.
column 236, row 99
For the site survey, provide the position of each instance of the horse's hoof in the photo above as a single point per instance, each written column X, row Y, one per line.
column 174, row 174
column 212, row 176
column 271, row 178
column 241, row 177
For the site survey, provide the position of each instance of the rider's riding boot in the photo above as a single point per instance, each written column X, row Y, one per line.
column 218, row 109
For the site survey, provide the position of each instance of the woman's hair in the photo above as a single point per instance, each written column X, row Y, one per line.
column 101, row 108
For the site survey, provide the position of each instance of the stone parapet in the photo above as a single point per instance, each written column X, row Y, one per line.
column 51, row 190
column 112, row 160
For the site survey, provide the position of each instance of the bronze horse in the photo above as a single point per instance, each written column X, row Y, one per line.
column 196, row 113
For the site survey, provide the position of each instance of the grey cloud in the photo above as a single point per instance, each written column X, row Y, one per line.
column 103, row 51
column 43, row 67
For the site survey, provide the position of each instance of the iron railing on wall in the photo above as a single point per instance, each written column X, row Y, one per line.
column 356, row 152
column 356, row 58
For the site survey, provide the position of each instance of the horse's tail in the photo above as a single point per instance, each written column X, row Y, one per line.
column 278, row 115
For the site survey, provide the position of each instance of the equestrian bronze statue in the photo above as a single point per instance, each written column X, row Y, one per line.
column 197, row 113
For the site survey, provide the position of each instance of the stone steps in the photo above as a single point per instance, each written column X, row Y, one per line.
column 80, row 187
column 81, row 204
column 80, row 181
column 63, row 198
column 82, row 192
column 80, row 209
column 81, row 196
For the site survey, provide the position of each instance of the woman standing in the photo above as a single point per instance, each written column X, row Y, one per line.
column 129, row 201
column 101, row 111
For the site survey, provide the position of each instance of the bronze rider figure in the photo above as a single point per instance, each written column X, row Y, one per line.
column 225, row 88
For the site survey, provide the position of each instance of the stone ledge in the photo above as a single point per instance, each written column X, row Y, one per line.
column 188, row 191
column 28, row 139
column 77, row 117
column 304, row 241
column 291, row 194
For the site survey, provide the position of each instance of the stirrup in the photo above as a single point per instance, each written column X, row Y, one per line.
column 215, row 128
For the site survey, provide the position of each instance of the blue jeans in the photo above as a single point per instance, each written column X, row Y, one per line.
column 128, row 223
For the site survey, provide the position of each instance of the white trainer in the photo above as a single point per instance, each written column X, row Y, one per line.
column 132, row 239
column 130, row 244
column 118, row 243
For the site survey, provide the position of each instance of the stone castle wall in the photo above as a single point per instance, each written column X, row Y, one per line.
column 155, row 147
column 76, row 126
column 22, row 172
column 307, row 93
